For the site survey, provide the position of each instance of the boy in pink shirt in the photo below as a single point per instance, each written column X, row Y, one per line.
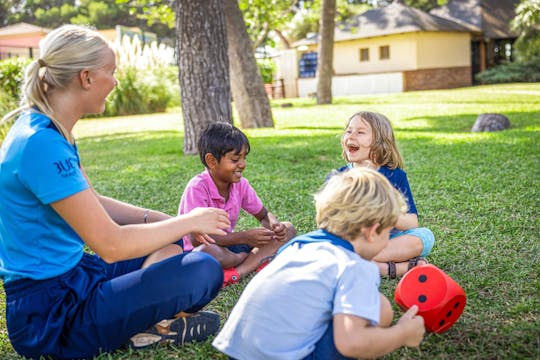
column 223, row 149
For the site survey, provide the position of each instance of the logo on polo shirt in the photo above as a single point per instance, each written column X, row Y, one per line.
column 67, row 167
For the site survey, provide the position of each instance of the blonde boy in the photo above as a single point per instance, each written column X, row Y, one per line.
column 319, row 298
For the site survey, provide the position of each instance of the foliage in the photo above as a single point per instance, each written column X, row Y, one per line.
column 101, row 14
column 267, row 68
column 12, row 75
column 424, row 5
column 301, row 18
column 7, row 104
column 160, row 11
column 30, row 10
column 306, row 18
column 7, row 7
column 291, row 18
column 143, row 91
column 478, row 192
column 131, row 52
column 147, row 80
column 262, row 16
column 527, row 25
column 55, row 16
column 512, row 72
column 11, row 79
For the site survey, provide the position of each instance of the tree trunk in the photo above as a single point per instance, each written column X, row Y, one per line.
column 203, row 67
column 326, row 52
column 247, row 87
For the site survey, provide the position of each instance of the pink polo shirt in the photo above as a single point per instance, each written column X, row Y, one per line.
column 201, row 191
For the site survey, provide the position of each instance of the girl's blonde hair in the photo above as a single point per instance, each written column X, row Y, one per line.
column 383, row 151
column 64, row 52
column 357, row 199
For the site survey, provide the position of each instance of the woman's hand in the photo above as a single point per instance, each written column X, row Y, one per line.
column 208, row 221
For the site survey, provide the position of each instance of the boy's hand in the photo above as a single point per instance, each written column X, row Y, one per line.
column 413, row 327
column 280, row 231
column 279, row 228
column 258, row 237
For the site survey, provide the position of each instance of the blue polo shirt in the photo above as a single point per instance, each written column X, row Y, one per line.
column 38, row 166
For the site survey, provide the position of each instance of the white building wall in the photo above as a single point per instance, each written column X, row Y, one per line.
column 287, row 70
column 356, row 84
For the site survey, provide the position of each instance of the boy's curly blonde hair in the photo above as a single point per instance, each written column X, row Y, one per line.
column 357, row 199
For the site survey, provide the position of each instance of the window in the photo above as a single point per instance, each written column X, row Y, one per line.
column 364, row 54
column 308, row 64
column 384, row 52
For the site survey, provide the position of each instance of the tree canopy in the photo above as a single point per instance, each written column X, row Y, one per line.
column 101, row 14
column 527, row 24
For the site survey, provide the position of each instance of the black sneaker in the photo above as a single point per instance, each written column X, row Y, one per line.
column 196, row 327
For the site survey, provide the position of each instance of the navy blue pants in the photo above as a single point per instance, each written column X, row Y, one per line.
column 96, row 307
column 325, row 349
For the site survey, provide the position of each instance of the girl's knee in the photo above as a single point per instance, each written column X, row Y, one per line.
column 428, row 240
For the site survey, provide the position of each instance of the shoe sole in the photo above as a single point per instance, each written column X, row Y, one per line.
column 196, row 327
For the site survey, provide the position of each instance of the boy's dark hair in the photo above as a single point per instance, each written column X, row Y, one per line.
column 220, row 138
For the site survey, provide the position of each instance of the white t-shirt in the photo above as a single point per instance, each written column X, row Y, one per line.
column 288, row 306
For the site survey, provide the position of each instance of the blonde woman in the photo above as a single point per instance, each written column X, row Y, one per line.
column 61, row 301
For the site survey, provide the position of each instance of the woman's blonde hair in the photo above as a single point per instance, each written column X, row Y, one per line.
column 357, row 199
column 64, row 52
column 383, row 151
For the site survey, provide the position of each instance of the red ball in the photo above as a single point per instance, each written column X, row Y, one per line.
column 439, row 298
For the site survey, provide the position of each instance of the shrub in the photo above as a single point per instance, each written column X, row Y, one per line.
column 147, row 80
column 12, row 75
column 267, row 68
column 126, row 98
column 141, row 91
column 512, row 72
column 7, row 104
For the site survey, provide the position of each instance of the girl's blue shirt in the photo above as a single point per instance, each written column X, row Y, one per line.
column 397, row 177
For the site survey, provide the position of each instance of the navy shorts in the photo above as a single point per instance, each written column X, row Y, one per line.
column 325, row 348
column 96, row 307
column 240, row 248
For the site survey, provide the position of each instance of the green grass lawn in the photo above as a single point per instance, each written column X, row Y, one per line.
column 478, row 192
